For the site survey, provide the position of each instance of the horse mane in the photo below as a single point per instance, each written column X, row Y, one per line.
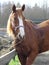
column 9, row 28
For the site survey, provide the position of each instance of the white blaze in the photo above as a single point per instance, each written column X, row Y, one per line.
column 21, row 29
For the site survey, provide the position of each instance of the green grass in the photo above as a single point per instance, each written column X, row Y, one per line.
column 14, row 61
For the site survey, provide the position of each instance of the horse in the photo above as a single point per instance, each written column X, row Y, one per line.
column 30, row 39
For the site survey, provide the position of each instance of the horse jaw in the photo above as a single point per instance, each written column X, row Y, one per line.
column 21, row 29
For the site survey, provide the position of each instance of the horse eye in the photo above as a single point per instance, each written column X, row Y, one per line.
column 15, row 18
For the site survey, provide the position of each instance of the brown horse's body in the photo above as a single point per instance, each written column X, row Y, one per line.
column 44, row 32
column 35, row 40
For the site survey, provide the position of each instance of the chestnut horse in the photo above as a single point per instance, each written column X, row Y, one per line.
column 29, row 39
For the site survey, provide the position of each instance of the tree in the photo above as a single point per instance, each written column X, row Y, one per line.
column 45, row 9
column 5, row 14
column 18, row 5
column 0, row 14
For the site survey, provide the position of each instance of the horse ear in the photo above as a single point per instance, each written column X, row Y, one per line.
column 14, row 8
column 23, row 7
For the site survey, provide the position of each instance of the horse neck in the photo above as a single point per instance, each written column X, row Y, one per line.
column 32, row 27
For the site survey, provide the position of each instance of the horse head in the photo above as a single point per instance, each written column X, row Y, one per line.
column 15, row 25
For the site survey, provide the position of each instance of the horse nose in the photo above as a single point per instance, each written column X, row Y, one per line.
column 20, row 36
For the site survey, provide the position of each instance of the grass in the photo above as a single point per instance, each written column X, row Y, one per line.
column 14, row 61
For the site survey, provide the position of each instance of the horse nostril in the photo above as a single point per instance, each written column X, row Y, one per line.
column 19, row 35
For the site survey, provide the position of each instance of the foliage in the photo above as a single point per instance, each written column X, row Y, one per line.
column 14, row 61
column 35, row 13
